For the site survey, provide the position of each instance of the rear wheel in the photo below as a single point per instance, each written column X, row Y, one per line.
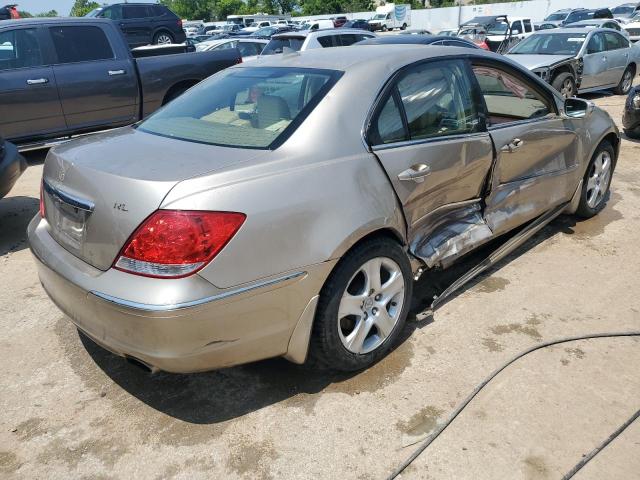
column 403, row 27
column 596, row 181
column 626, row 81
column 162, row 38
column 565, row 84
column 362, row 307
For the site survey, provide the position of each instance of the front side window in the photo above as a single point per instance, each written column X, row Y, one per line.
column 508, row 98
column 516, row 28
column 80, row 44
column 243, row 107
column 20, row 49
column 596, row 44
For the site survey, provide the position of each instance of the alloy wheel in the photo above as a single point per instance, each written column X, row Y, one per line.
column 371, row 305
column 164, row 39
column 627, row 80
column 567, row 88
column 598, row 179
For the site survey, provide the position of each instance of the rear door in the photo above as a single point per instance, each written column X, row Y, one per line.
column 29, row 103
column 595, row 62
column 96, row 86
column 136, row 24
column 618, row 56
column 429, row 137
column 536, row 149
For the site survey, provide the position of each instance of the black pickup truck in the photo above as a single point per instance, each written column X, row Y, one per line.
column 63, row 77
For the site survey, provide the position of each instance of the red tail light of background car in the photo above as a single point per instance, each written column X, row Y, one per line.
column 177, row 243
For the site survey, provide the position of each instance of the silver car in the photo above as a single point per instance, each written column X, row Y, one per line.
column 580, row 60
column 266, row 213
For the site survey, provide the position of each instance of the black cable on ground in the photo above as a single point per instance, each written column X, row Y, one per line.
column 429, row 440
column 597, row 450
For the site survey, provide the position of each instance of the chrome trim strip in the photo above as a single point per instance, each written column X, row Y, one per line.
column 76, row 202
column 421, row 141
column 146, row 307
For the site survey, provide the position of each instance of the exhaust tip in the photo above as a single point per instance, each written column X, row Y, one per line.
column 141, row 365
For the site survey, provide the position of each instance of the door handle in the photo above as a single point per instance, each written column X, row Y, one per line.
column 513, row 145
column 416, row 173
column 37, row 81
column 116, row 72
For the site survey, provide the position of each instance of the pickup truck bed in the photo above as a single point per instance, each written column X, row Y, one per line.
column 63, row 77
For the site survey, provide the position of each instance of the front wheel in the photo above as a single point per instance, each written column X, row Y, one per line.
column 625, row 82
column 162, row 38
column 565, row 84
column 596, row 181
column 384, row 28
column 362, row 307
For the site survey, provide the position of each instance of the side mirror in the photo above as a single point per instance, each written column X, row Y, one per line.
column 577, row 108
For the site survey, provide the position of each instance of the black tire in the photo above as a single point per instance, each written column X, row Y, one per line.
column 626, row 82
column 403, row 27
column 584, row 209
column 565, row 84
column 162, row 34
column 326, row 349
column 632, row 132
column 384, row 28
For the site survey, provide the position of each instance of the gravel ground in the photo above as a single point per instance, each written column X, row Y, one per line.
column 68, row 409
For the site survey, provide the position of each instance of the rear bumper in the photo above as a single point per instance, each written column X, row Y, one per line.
column 229, row 327
column 11, row 167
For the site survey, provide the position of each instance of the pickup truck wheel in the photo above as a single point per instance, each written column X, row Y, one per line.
column 596, row 181
column 403, row 27
column 626, row 81
column 565, row 84
column 162, row 38
column 362, row 307
column 384, row 28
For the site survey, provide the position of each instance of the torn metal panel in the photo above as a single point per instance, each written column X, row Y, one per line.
column 455, row 234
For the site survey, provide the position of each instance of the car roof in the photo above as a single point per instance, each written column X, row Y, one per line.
column 306, row 33
column 375, row 59
column 553, row 31
column 57, row 20
column 412, row 40
column 593, row 21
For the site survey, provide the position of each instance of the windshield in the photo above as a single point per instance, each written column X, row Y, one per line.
column 379, row 16
column 264, row 31
column 497, row 28
column 550, row 44
column 94, row 12
column 622, row 10
column 243, row 107
column 556, row 17
column 277, row 45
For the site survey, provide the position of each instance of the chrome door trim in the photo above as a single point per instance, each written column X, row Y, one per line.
column 421, row 141
column 147, row 307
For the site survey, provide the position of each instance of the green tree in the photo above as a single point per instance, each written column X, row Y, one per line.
column 50, row 13
column 24, row 14
column 191, row 9
column 223, row 8
column 82, row 7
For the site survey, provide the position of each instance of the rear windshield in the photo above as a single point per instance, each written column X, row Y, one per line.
column 277, row 45
column 252, row 107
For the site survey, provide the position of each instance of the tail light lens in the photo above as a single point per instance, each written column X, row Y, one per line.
column 43, row 211
column 180, row 23
column 177, row 243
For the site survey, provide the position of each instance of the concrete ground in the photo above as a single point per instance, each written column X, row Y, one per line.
column 68, row 409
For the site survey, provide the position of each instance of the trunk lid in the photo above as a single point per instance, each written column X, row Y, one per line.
column 100, row 188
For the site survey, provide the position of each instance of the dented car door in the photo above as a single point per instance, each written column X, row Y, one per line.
column 430, row 138
column 537, row 151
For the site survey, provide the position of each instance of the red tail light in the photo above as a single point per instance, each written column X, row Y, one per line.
column 177, row 243
column 43, row 212
column 483, row 45
column 180, row 22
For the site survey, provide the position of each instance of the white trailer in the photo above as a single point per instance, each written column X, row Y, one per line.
column 390, row 16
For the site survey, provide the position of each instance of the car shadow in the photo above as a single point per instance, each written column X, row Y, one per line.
column 218, row 396
column 15, row 215
column 36, row 157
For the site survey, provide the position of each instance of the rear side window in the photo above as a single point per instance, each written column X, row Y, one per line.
column 328, row 41
column 349, row 39
column 160, row 11
column 113, row 13
column 135, row 11
column 277, row 45
column 247, row 107
column 80, row 44
column 615, row 41
column 388, row 127
column 20, row 49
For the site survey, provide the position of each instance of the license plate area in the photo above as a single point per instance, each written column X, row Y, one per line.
column 67, row 217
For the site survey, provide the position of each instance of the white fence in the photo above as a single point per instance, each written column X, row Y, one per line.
column 435, row 19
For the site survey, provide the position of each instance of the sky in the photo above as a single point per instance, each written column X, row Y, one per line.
column 63, row 7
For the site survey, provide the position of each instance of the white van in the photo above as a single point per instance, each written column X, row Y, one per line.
column 317, row 24
column 390, row 16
